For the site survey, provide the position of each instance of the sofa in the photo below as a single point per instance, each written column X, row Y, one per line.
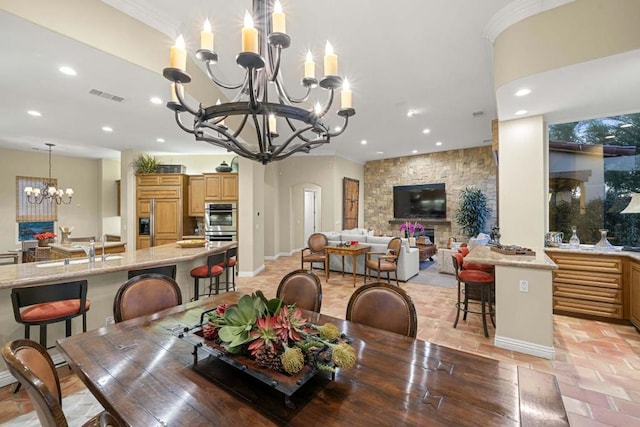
column 408, row 265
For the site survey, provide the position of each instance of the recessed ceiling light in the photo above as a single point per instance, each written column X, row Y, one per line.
column 363, row 142
column 521, row 112
column 439, row 143
column 410, row 113
column 161, row 140
column 67, row 70
column 34, row 113
column 426, row 131
column 609, row 137
column 626, row 125
column 414, row 151
column 379, row 152
column 107, row 129
column 156, row 100
column 523, row 92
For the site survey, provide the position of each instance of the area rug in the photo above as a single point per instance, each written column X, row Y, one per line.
column 426, row 264
column 430, row 276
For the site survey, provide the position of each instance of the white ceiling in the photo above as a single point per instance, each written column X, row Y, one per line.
column 429, row 56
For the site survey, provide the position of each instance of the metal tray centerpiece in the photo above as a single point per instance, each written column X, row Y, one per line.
column 270, row 341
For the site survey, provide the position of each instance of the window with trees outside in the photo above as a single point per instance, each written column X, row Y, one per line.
column 594, row 169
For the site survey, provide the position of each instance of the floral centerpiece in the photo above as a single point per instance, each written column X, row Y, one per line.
column 44, row 238
column 277, row 336
column 410, row 229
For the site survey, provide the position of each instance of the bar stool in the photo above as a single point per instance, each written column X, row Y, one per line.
column 474, row 281
column 230, row 263
column 167, row 270
column 50, row 304
column 213, row 268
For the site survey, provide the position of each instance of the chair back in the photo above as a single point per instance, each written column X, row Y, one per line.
column 302, row 288
column 42, row 253
column 394, row 246
column 145, row 294
column 317, row 242
column 167, row 270
column 383, row 306
column 232, row 252
column 24, row 297
column 216, row 259
column 464, row 250
column 29, row 244
column 458, row 263
column 32, row 366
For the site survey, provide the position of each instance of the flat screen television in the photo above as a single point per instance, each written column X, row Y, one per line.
column 420, row 201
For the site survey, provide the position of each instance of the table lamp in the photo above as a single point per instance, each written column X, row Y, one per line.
column 632, row 207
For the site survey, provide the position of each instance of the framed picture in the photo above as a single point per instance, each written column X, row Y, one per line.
column 26, row 230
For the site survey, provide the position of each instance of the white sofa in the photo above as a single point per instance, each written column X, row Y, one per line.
column 408, row 264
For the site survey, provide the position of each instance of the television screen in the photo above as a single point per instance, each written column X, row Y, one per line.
column 419, row 201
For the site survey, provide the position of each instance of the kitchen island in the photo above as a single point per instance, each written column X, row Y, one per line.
column 104, row 277
column 75, row 249
column 524, row 300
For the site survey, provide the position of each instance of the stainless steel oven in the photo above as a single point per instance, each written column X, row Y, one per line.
column 220, row 217
column 221, row 236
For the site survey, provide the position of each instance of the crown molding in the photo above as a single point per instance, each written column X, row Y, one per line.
column 516, row 12
column 148, row 12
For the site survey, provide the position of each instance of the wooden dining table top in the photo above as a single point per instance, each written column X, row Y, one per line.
column 142, row 372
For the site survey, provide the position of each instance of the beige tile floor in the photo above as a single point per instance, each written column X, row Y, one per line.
column 597, row 363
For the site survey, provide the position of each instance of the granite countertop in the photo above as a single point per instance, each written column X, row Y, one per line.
column 484, row 255
column 14, row 275
column 591, row 250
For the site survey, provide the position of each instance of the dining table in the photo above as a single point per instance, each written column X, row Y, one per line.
column 144, row 372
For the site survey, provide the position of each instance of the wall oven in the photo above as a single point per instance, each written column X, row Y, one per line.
column 221, row 236
column 220, row 220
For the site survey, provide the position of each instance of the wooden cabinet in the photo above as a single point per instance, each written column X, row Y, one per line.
column 220, row 186
column 196, row 196
column 634, row 293
column 589, row 285
column 162, row 199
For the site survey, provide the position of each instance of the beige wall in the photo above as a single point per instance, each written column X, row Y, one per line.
column 576, row 32
column 457, row 169
column 83, row 175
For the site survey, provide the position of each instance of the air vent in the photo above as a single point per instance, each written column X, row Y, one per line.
column 478, row 113
column 106, row 95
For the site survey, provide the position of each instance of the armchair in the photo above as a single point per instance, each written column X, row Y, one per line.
column 384, row 261
column 314, row 252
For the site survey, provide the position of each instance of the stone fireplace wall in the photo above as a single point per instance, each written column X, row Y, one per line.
column 456, row 169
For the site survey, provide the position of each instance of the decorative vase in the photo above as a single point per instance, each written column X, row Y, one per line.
column 412, row 241
column 574, row 241
column 43, row 242
column 603, row 244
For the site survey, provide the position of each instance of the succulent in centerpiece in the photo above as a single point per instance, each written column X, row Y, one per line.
column 277, row 336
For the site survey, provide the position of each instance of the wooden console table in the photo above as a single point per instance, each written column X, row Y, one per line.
column 353, row 251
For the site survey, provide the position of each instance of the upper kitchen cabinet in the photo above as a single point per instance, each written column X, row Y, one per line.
column 196, row 195
column 220, row 186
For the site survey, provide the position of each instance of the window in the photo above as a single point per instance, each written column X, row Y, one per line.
column 594, row 167
column 25, row 211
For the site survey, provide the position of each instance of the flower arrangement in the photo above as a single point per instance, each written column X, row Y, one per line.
column 44, row 236
column 410, row 229
column 277, row 336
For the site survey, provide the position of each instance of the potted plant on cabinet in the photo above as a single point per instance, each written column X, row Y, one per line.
column 472, row 212
column 145, row 164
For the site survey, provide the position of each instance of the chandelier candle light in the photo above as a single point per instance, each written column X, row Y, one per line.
column 49, row 191
column 260, row 58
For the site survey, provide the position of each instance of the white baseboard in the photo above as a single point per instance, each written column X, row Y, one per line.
column 525, row 347
column 6, row 378
column 275, row 257
column 253, row 273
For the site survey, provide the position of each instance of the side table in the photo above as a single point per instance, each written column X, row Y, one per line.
column 445, row 263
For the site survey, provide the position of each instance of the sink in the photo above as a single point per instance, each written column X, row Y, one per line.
column 77, row 261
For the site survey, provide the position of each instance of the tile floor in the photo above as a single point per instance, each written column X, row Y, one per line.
column 597, row 363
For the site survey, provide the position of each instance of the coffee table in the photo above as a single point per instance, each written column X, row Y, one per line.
column 353, row 251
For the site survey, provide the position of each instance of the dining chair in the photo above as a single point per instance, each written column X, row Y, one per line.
column 32, row 366
column 167, row 270
column 315, row 252
column 46, row 304
column 42, row 254
column 302, row 288
column 478, row 286
column 212, row 269
column 29, row 250
column 145, row 294
column 383, row 306
column 384, row 261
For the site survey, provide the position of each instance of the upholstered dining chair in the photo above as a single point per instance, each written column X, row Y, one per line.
column 479, row 286
column 315, row 252
column 302, row 288
column 383, row 306
column 145, row 294
column 32, row 366
column 384, row 261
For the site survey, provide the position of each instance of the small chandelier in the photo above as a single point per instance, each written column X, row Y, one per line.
column 48, row 191
column 260, row 58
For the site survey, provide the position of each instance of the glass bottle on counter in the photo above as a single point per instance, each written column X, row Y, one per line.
column 603, row 244
column 574, row 241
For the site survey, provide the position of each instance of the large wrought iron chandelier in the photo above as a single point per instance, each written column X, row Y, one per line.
column 48, row 192
column 260, row 58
